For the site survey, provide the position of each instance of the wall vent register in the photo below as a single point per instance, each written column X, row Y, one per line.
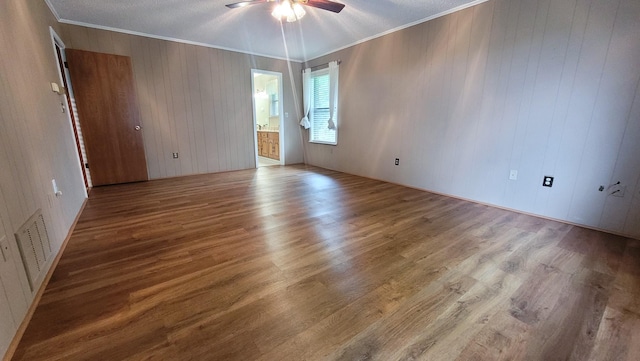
column 35, row 249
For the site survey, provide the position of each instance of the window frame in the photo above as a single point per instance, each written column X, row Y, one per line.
column 314, row 74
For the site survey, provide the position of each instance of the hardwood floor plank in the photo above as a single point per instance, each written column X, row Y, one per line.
column 504, row 338
column 303, row 263
column 459, row 324
column 384, row 336
column 626, row 291
column 618, row 337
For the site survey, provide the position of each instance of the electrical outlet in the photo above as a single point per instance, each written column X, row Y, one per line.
column 175, row 155
column 397, row 161
column 513, row 175
column 4, row 248
column 547, row 181
column 617, row 190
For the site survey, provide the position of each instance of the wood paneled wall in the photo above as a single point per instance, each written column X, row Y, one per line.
column 195, row 101
column 36, row 146
column 539, row 86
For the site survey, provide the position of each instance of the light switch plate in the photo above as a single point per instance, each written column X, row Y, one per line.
column 4, row 248
column 513, row 175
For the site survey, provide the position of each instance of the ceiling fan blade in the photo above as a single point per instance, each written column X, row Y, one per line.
column 245, row 3
column 324, row 4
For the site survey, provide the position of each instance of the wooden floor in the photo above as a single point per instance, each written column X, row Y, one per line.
column 300, row 263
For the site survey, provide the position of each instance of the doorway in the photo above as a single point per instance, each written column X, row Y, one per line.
column 268, row 127
column 70, row 109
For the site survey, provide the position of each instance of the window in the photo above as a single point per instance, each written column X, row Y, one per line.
column 321, row 130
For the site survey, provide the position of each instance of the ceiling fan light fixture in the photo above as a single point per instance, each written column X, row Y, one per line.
column 298, row 11
column 286, row 11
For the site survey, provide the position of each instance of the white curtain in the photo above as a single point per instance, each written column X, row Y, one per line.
column 307, row 93
column 333, row 93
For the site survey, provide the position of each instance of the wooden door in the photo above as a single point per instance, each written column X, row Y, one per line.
column 109, row 115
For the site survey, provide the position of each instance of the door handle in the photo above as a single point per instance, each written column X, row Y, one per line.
column 137, row 128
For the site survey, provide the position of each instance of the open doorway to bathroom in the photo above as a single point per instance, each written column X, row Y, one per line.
column 267, row 117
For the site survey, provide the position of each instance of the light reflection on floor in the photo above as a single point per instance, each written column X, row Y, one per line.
column 322, row 227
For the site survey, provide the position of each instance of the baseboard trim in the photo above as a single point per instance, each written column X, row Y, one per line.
column 13, row 346
column 491, row 205
column 528, row 213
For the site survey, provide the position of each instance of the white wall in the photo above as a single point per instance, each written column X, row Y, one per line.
column 36, row 145
column 196, row 101
column 539, row 86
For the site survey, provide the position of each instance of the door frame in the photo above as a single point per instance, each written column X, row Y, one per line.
column 278, row 75
column 64, row 77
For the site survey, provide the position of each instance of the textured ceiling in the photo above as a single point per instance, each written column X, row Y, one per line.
column 251, row 29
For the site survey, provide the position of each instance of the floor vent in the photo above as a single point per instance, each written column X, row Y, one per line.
column 35, row 249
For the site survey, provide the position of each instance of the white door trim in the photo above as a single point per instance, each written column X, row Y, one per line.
column 280, row 112
column 56, row 40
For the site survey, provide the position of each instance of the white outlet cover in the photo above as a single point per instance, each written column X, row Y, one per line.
column 513, row 175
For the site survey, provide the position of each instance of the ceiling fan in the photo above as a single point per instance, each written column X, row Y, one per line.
column 291, row 10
